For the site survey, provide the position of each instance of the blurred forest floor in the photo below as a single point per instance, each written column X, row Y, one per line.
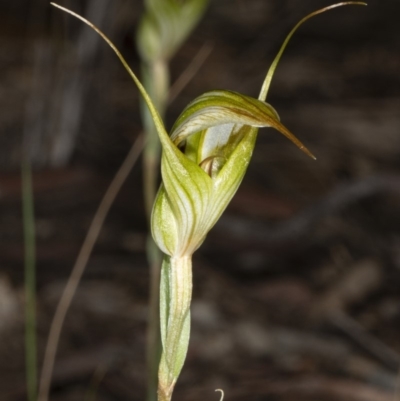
column 296, row 290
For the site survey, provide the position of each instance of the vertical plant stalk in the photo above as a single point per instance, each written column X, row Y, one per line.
column 151, row 167
column 175, row 298
column 164, row 26
column 30, row 280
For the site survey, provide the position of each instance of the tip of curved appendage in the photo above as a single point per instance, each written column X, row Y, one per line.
column 307, row 152
column 271, row 70
column 222, row 394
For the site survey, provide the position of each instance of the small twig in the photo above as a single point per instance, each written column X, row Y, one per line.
column 371, row 344
column 80, row 264
column 397, row 388
column 97, row 378
column 190, row 71
column 322, row 387
column 298, row 226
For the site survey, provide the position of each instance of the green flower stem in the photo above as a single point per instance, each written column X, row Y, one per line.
column 164, row 26
column 175, row 298
column 153, row 351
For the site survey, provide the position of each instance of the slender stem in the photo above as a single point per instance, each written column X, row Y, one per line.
column 153, row 351
column 30, row 281
column 175, row 298
column 190, row 71
column 80, row 264
column 156, row 81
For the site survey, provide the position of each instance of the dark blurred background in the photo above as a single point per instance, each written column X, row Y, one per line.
column 296, row 290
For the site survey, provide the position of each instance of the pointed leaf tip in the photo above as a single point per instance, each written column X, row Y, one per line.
column 272, row 68
column 308, row 153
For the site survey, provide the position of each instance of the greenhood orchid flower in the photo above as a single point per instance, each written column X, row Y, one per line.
column 204, row 160
column 203, row 163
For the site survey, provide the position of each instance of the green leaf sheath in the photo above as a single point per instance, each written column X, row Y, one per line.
column 175, row 298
